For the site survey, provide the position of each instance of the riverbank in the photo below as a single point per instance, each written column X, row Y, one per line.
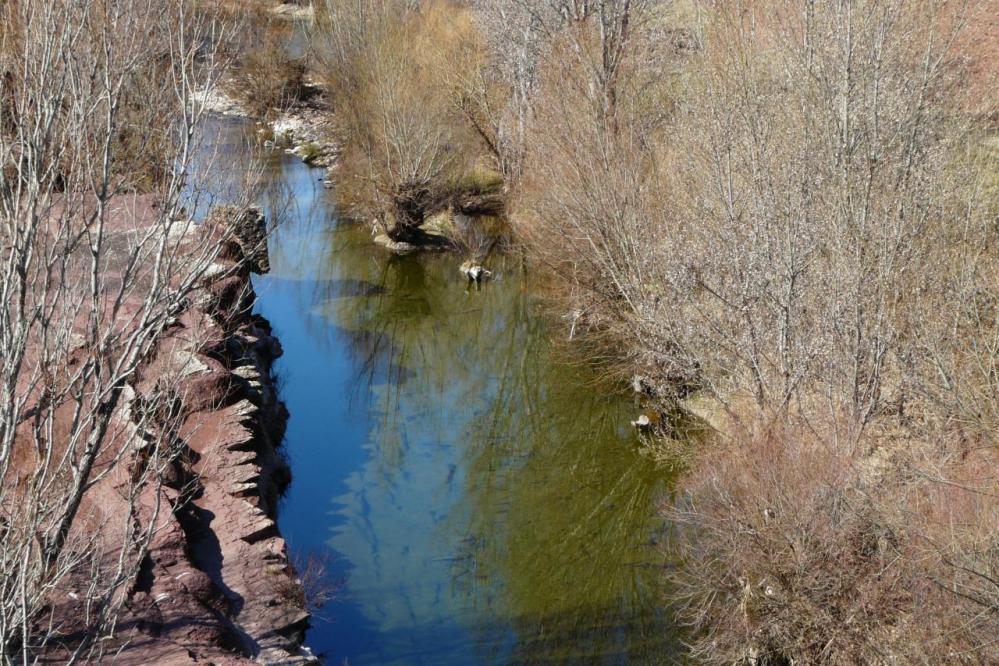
column 228, row 531
column 140, row 427
column 216, row 583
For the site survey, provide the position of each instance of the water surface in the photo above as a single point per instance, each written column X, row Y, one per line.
column 483, row 501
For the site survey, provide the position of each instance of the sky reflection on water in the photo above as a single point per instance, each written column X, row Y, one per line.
column 484, row 502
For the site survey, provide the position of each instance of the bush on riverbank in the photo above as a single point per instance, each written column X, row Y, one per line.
column 390, row 68
column 785, row 214
column 267, row 79
column 798, row 547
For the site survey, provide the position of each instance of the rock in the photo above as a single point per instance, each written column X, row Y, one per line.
column 288, row 125
column 398, row 247
column 305, row 131
column 653, row 422
column 250, row 231
column 474, row 271
column 642, row 424
column 217, row 585
column 216, row 101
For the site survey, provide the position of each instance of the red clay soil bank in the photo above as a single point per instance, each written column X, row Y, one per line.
column 217, row 586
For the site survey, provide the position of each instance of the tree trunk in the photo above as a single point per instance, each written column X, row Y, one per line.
column 409, row 209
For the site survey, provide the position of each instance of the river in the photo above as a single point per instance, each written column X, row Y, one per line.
column 480, row 500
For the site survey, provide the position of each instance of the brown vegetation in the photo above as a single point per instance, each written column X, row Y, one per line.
column 266, row 77
column 797, row 221
column 798, row 547
column 782, row 215
column 393, row 70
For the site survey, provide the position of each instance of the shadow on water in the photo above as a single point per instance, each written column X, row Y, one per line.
column 483, row 501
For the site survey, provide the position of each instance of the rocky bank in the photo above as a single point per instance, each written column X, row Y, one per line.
column 217, row 585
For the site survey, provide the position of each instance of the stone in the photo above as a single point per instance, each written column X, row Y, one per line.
column 642, row 424
column 397, row 247
column 216, row 101
column 474, row 271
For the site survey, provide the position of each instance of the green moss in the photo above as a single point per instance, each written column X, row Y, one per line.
column 439, row 224
column 479, row 181
column 310, row 152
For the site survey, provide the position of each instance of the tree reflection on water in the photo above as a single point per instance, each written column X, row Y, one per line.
column 501, row 512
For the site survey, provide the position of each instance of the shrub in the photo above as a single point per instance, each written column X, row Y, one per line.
column 798, row 549
column 267, row 79
column 388, row 66
column 776, row 204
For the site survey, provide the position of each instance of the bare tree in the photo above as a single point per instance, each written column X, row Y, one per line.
column 521, row 36
column 498, row 98
column 807, row 162
column 98, row 258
